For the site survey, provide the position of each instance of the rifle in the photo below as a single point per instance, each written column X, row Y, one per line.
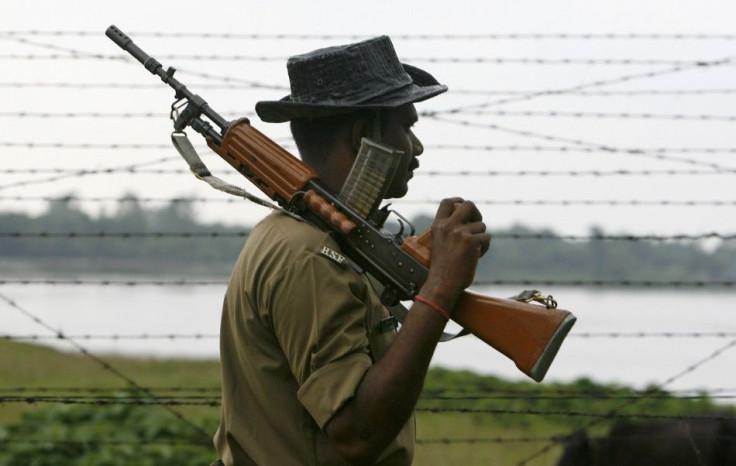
column 529, row 334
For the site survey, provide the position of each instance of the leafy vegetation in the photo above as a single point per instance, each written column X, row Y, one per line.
column 104, row 436
column 462, row 417
column 511, row 258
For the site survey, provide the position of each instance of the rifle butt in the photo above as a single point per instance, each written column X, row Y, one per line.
column 528, row 334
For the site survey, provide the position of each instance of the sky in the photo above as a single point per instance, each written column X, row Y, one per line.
column 538, row 123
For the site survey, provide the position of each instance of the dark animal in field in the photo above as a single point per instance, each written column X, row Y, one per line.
column 690, row 442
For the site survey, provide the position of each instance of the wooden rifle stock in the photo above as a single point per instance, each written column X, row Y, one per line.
column 528, row 334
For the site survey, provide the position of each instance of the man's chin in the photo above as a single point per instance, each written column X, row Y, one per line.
column 397, row 193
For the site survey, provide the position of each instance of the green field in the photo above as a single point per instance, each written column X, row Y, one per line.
column 95, row 417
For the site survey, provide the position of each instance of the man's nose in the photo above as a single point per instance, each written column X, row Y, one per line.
column 416, row 145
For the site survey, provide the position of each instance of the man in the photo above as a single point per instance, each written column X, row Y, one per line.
column 310, row 372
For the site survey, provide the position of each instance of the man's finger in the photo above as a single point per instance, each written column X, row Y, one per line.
column 447, row 206
column 467, row 212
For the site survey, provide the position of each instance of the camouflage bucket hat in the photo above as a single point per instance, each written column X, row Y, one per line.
column 347, row 78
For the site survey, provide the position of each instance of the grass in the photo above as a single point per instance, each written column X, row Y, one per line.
column 447, row 433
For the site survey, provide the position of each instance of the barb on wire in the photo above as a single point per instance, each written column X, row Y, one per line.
column 615, row 411
column 488, row 36
column 122, row 115
column 201, row 336
column 493, row 92
column 653, row 335
column 595, row 84
column 94, row 442
column 108, row 401
column 567, row 149
column 524, row 282
column 514, row 202
column 81, row 173
column 72, row 53
column 245, row 233
column 142, row 336
column 104, row 364
column 107, row 389
column 536, row 61
column 583, row 202
column 579, row 142
column 126, row 235
column 614, row 283
column 423, row 173
column 601, row 115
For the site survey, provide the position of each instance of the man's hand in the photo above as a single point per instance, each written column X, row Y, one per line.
column 388, row 393
column 459, row 239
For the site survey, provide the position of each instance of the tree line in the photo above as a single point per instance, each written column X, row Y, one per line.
column 515, row 252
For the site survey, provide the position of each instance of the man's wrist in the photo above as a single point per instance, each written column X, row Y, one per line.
column 440, row 296
column 421, row 299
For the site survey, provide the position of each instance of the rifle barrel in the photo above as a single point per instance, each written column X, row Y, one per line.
column 167, row 76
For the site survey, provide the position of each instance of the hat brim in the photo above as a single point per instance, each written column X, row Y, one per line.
column 279, row 111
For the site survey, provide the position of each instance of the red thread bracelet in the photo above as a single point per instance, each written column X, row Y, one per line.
column 433, row 305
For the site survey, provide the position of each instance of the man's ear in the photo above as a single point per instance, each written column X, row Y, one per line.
column 361, row 128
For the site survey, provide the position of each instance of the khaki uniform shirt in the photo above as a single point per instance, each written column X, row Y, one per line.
column 299, row 329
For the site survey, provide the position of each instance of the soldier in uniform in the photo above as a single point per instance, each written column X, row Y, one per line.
column 309, row 373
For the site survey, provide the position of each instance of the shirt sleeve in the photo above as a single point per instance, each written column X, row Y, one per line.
column 318, row 310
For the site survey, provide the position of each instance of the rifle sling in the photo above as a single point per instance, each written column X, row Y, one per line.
column 399, row 312
column 199, row 169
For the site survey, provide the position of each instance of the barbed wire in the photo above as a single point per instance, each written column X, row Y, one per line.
column 108, row 401
column 536, row 61
column 582, row 392
column 104, row 364
column 594, row 84
column 203, row 400
column 419, row 441
column 501, row 113
column 115, row 337
column 514, row 202
column 484, row 36
column 79, row 173
column 578, row 142
column 427, row 173
column 125, row 235
column 659, row 387
column 526, row 282
column 106, row 389
column 607, row 415
column 107, row 442
column 74, row 52
column 601, row 115
column 205, row 336
column 459, row 392
column 215, row 402
column 614, row 283
column 581, row 202
column 149, row 400
column 245, row 233
column 121, row 115
column 567, row 149
column 113, row 85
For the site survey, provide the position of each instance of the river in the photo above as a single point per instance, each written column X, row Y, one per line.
column 601, row 345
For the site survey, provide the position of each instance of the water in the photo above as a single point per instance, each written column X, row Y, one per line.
column 191, row 310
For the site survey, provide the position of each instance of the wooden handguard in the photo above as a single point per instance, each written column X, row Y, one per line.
column 528, row 334
column 274, row 170
column 329, row 212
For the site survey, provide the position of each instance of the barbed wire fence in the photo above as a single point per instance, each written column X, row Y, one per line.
column 41, row 169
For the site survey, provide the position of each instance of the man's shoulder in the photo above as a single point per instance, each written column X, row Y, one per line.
column 280, row 244
column 280, row 229
column 282, row 240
